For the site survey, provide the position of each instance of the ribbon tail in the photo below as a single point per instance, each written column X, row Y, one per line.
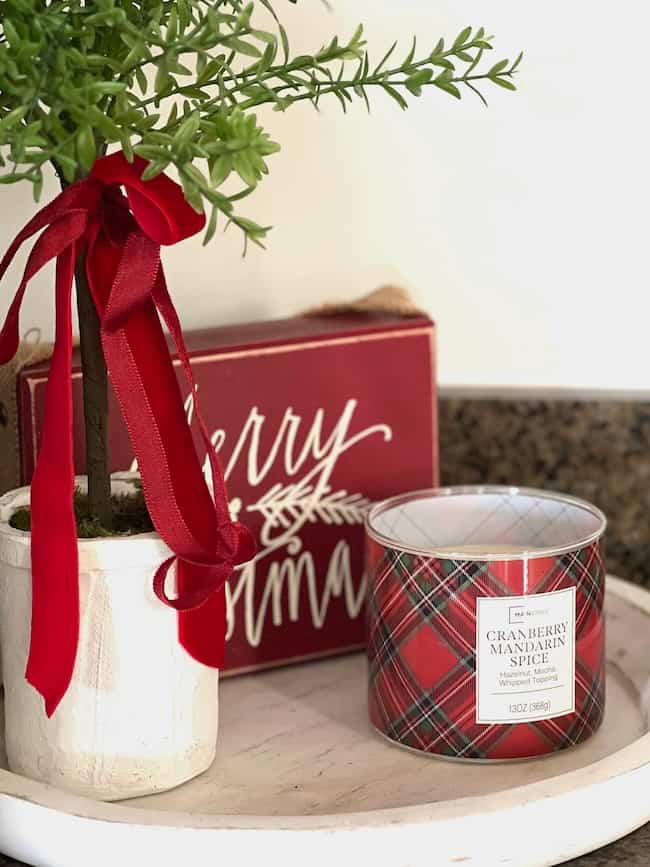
column 147, row 391
column 167, row 310
column 159, row 433
column 197, row 627
column 175, row 489
column 54, row 551
column 202, row 630
column 239, row 538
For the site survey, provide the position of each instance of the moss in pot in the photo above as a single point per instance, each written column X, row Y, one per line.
column 129, row 516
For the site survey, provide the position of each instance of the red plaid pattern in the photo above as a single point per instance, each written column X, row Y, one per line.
column 421, row 650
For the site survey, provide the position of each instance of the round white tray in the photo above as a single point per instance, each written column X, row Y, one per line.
column 301, row 779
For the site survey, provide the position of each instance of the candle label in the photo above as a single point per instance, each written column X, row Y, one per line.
column 525, row 657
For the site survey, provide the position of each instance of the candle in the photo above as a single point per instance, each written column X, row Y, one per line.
column 486, row 630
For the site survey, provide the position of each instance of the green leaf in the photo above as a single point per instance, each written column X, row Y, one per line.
column 409, row 57
column 191, row 192
column 265, row 36
column 267, row 59
column 105, row 88
column 67, row 164
column 86, row 148
column 38, row 185
column 14, row 177
column 339, row 94
column 10, row 32
column 153, row 153
column 442, row 61
column 255, row 91
column 414, row 82
column 303, row 61
column 211, row 227
column 221, row 169
column 448, row 87
column 155, row 168
column 163, row 82
column 14, row 117
column 141, row 78
column 196, row 174
column 211, row 69
column 385, row 58
column 98, row 61
column 285, row 43
column 253, row 230
column 497, row 68
column 517, row 61
column 503, row 82
column 177, row 68
column 127, row 146
column 172, row 25
column 244, row 169
column 357, row 38
column 187, row 129
column 242, row 47
column 475, row 62
column 34, row 140
column 462, row 37
column 138, row 54
column 110, row 130
column 159, row 138
column 396, row 95
column 439, row 49
column 184, row 13
column 196, row 93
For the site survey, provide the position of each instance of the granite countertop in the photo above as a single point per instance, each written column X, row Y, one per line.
column 597, row 449
column 632, row 850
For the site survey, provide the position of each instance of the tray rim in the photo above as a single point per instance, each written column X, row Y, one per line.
column 631, row 760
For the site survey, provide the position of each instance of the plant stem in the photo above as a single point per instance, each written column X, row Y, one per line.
column 95, row 400
column 332, row 87
column 95, row 394
column 241, row 79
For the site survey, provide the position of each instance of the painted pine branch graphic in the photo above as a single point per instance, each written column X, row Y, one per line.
column 283, row 506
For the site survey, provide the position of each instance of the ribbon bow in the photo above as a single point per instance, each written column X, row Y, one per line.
column 120, row 234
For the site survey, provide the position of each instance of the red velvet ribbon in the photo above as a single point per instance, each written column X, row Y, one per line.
column 120, row 221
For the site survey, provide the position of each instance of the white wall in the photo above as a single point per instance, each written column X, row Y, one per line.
column 522, row 228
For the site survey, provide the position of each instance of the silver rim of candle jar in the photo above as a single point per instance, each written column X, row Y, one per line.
column 455, row 490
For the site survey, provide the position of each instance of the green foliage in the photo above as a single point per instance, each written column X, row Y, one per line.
column 130, row 517
column 178, row 82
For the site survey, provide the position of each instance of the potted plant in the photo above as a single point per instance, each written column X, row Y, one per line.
column 110, row 656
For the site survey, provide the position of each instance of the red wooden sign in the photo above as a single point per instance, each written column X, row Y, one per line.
column 313, row 419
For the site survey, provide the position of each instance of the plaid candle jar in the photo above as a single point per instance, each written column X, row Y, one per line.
column 485, row 622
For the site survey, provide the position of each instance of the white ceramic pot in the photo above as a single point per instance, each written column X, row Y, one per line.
column 140, row 715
